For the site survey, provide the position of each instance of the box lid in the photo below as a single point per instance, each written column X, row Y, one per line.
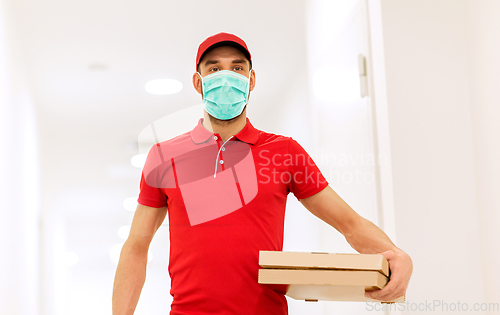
column 370, row 280
column 302, row 260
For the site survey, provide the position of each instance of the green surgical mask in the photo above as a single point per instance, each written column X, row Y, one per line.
column 225, row 93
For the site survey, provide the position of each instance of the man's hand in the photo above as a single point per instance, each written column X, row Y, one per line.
column 131, row 270
column 365, row 237
column 401, row 268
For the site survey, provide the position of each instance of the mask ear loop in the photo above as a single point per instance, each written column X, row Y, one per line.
column 217, row 159
column 248, row 88
column 202, row 89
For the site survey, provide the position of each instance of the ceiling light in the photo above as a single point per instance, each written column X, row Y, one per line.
column 130, row 204
column 124, row 231
column 163, row 86
column 114, row 253
column 139, row 160
column 98, row 67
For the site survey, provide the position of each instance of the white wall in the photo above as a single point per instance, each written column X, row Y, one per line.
column 438, row 103
column 483, row 27
column 18, row 180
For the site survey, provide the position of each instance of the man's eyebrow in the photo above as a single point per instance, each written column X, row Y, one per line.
column 214, row 61
column 211, row 62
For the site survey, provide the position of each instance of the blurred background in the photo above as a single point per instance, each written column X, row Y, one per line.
column 396, row 101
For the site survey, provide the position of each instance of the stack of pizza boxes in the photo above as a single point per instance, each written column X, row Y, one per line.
column 325, row 276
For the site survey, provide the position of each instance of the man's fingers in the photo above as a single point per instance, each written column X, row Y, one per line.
column 390, row 287
column 391, row 290
column 385, row 295
column 389, row 295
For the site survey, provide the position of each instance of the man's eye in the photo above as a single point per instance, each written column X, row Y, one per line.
column 214, row 69
column 238, row 68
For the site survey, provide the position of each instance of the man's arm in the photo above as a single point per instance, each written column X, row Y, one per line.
column 365, row 237
column 131, row 270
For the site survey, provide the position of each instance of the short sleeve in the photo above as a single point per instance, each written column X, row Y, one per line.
column 151, row 193
column 151, row 196
column 306, row 178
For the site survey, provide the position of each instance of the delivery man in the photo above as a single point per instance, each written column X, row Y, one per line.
column 225, row 185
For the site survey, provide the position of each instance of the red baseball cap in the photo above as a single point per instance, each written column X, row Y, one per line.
column 222, row 39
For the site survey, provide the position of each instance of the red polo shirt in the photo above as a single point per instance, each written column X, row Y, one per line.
column 226, row 202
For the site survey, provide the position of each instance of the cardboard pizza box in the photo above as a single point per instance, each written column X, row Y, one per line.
column 298, row 260
column 325, row 276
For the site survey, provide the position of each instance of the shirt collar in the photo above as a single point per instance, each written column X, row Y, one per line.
column 199, row 134
column 248, row 134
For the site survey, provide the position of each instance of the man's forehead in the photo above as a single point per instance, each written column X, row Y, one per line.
column 224, row 52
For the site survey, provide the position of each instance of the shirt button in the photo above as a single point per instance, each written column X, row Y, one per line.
column 223, row 149
column 221, row 162
column 215, row 138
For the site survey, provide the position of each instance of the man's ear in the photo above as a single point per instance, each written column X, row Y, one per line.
column 252, row 80
column 197, row 82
